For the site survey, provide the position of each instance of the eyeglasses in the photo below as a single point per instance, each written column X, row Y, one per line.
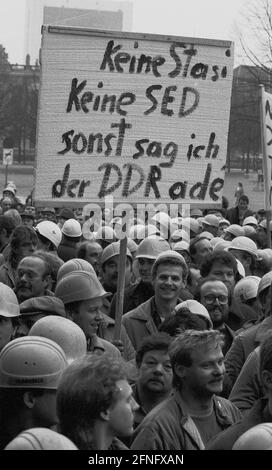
column 211, row 299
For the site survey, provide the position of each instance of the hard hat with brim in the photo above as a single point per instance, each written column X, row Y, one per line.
column 40, row 439
column 250, row 220
column 258, row 437
column 64, row 332
column 246, row 288
column 49, row 230
column 112, row 250
column 235, row 230
column 151, row 247
column 71, row 228
column 31, row 362
column 244, row 244
column 224, row 221
column 191, row 224
column 196, row 308
column 181, row 246
column 179, row 235
column 212, row 220
column 9, row 306
column 79, row 285
column 74, row 264
column 265, row 282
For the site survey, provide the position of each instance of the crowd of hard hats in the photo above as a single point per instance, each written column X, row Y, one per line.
column 82, row 259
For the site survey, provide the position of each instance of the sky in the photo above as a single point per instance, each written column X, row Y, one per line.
column 212, row 19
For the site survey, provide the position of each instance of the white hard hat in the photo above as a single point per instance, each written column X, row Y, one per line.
column 235, row 230
column 250, row 221
column 265, row 282
column 64, row 332
column 244, row 244
column 249, row 230
column 195, row 307
column 9, row 306
column 179, row 235
column 40, row 439
column 263, row 224
column 224, row 221
column 258, row 437
column 181, row 246
column 215, row 240
column 191, row 224
column 221, row 245
column 266, row 255
column 71, row 228
column 49, row 230
column 151, row 247
column 211, row 219
column 246, row 288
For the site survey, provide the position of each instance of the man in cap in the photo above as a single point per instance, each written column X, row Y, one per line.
column 82, row 295
column 9, row 311
column 210, row 223
column 169, row 274
column 106, row 324
column 194, row 413
column 233, row 231
column 110, row 267
column 49, row 235
column 30, row 370
column 48, row 213
column 261, row 410
column 245, row 250
column 199, row 247
column 64, row 214
column 134, row 295
column 196, row 213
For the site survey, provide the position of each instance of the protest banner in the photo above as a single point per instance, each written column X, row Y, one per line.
column 142, row 118
column 266, row 140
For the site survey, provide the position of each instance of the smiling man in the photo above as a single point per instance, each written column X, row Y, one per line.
column 169, row 274
column 190, row 417
column 214, row 296
column 82, row 295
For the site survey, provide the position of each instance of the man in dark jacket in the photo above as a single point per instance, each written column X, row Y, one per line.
column 262, row 408
column 194, row 414
column 237, row 214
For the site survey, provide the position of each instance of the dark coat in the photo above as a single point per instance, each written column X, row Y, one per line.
column 226, row 439
column 232, row 215
column 168, row 427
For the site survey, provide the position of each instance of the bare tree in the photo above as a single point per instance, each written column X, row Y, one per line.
column 255, row 33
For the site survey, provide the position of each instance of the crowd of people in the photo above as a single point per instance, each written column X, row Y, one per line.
column 191, row 367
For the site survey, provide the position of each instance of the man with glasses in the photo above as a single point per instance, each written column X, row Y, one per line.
column 214, row 296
